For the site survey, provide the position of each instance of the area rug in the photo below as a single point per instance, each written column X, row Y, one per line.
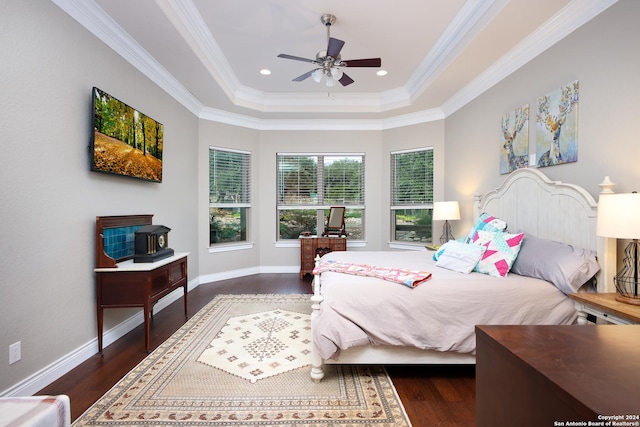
column 243, row 360
column 260, row 345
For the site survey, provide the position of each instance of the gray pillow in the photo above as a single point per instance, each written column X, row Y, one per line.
column 568, row 268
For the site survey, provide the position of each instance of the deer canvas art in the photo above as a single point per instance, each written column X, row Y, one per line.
column 557, row 126
column 515, row 140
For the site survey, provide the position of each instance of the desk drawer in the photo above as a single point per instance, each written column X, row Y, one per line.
column 177, row 273
column 121, row 289
column 167, row 278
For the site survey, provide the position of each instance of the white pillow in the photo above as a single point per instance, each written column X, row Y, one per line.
column 460, row 257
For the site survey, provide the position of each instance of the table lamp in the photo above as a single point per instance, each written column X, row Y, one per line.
column 619, row 218
column 445, row 211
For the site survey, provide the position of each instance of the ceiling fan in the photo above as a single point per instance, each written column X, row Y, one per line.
column 329, row 62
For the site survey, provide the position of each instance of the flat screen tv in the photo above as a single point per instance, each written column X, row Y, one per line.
column 124, row 141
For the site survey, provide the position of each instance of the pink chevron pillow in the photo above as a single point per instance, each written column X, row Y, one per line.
column 485, row 222
column 501, row 251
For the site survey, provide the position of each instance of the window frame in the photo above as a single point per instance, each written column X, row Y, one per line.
column 245, row 202
column 412, row 202
column 322, row 206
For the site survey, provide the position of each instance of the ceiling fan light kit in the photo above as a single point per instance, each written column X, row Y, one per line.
column 329, row 62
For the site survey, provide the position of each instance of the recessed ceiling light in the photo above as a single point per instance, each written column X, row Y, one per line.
column 265, row 72
column 382, row 73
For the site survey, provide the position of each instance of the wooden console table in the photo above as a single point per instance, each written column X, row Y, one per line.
column 132, row 284
column 310, row 246
column 605, row 306
column 550, row 375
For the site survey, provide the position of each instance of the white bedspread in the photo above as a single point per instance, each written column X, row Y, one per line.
column 439, row 314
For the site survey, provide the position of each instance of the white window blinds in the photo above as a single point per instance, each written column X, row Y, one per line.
column 320, row 180
column 412, row 178
column 229, row 178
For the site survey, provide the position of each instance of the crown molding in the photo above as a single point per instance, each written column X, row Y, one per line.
column 93, row 18
column 330, row 102
column 424, row 116
column 186, row 19
column 188, row 22
column 241, row 120
column 570, row 18
column 456, row 35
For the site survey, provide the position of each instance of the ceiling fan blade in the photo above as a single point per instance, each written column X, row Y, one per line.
column 304, row 76
column 369, row 62
column 334, row 48
column 345, row 80
column 296, row 58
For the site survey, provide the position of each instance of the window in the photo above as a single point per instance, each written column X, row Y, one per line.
column 309, row 184
column 229, row 195
column 412, row 195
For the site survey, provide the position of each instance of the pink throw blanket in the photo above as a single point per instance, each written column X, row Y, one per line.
column 403, row 276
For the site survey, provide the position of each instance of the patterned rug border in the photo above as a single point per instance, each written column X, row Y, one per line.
column 167, row 389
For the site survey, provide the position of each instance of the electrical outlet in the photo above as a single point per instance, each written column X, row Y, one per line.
column 14, row 352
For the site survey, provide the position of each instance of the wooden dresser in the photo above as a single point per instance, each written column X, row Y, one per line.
column 122, row 282
column 310, row 246
column 555, row 375
column 139, row 285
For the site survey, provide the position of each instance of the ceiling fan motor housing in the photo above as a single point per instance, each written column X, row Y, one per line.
column 328, row 19
column 322, row 57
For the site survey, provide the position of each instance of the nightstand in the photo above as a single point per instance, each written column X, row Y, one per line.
column 605, row 306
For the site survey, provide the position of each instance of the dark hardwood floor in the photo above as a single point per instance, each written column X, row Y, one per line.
column 432, row 395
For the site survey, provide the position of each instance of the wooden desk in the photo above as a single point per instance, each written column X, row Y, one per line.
column 310, row 246
column 605, row 306
column 139, row 285
column 550, row 375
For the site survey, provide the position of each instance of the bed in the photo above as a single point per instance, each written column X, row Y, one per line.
column 358, row 319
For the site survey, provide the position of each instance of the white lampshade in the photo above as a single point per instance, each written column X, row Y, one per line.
column 619, row 216
column 446, row 211
column 330, row 81
column 317, row 75
column 336, row 73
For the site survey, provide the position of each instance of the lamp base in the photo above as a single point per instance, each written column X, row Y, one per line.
column 628, row 300
column 446, row 233
column 627, row 279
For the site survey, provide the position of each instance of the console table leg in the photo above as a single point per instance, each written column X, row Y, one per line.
column 100, row 326
column 147, row 328
column 185, row 299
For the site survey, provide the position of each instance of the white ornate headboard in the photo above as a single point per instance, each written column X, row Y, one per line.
column 529, row 201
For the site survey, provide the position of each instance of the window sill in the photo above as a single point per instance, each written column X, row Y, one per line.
column 296, row 244
column 222, row 247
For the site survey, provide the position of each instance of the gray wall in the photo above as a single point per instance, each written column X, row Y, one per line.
column 50, row 198
column 603, row 56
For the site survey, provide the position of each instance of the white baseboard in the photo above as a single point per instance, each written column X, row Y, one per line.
column 216, row 277
column 47, row 375
column 36, row 382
